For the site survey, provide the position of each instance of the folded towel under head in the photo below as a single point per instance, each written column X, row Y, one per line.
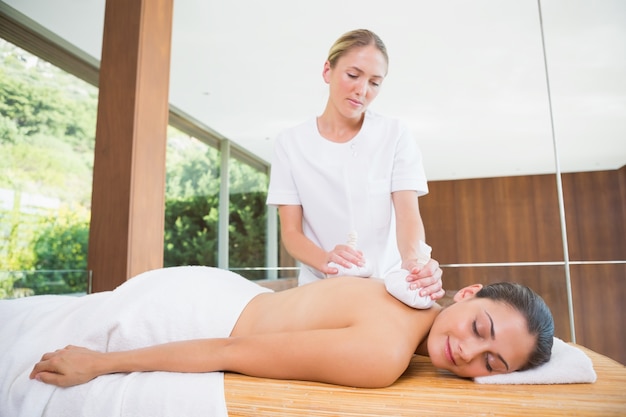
column 567, row 365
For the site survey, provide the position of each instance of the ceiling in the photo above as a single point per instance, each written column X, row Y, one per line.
column 469, row 77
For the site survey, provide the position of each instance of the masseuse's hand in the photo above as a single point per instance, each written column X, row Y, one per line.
column 427, row 277
column 66, row 367
column 343, row 255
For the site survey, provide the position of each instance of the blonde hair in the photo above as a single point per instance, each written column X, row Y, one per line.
column 355, row 39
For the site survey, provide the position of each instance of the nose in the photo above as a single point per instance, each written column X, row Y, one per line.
column 470, row 349
column 361, row 87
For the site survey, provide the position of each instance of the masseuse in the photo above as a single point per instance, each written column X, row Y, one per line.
column 346, row 183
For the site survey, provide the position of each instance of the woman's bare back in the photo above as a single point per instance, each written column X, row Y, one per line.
column 332, row 304
column 344, row 330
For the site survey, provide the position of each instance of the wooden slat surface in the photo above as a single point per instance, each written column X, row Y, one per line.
column 424, row 391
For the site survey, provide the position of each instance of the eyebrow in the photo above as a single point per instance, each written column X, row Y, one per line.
column 493, row 336
column 380, row 77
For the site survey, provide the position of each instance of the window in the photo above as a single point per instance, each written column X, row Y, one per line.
column 47, row 132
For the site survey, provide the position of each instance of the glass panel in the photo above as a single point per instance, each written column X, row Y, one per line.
column 481, row 118
column 47, row 137
column 191, row 201
column 586, row 49
column 585, row 44
column 17, row 284
column 599, row 291
column 248, row 220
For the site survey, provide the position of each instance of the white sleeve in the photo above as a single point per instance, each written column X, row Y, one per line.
column 408, row 169
column 282, row 188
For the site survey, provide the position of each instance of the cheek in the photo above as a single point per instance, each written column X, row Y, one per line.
column 345, row 83
column 436, row 354
column 445, row 323
column 474, row 369
column 372, row 94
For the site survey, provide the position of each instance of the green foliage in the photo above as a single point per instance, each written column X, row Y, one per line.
column 247, row 232
column 191, row 231
column 192, row 167
column 61, row 250
column 9, row 132
column 17, row 230
column 191, row 209
column 40, row 99
column 6, row 286
column 47, row 128
column 47, row 137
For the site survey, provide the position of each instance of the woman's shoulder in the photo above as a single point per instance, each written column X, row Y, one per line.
column 375, row 117
column 392, row 125
column 365, row 293
column 303, row 129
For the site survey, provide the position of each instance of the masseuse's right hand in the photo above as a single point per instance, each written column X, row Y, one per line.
column 343, row 255
column 67, row 367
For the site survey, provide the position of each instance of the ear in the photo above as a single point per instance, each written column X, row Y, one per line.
column 326, row 72
column 467, row 292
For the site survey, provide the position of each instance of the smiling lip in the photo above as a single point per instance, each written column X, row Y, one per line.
column 448, row 351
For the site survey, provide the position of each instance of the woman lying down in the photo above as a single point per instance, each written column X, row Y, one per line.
column 346, row 331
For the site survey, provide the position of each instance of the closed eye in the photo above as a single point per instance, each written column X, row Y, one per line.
column 475, row 329
column 487, row 365
column 497, row 359
column 477, row 333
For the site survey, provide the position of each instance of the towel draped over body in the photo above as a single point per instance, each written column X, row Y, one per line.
column 155, row 307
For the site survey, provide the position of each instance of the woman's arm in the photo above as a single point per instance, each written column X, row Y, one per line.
column 75, row 365
column 307, row 252
column 367, row 355
column 409, row 224
column 409, row 231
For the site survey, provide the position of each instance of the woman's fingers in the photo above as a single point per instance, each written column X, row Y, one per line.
column 65, row 367
column 345, row 256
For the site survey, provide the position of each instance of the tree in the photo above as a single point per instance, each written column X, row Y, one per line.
column 47, row 137
column 191, row 231
column 47, row 128
column 61, row 254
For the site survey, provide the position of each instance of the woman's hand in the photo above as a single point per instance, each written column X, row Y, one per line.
column 344, row 256
column 427, row 277
column 66, row 367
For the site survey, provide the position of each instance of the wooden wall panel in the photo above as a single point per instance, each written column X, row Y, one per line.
column 438, row 210
column 516, row 219
column 599, row 292
column 509, row 219
column 478, row 222
column 596, row 215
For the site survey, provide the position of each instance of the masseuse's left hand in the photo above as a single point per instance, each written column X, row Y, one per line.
column 427, row 277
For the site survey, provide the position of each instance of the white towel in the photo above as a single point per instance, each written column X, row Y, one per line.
column 156, row 307
column 397, row 285
column 567, row 365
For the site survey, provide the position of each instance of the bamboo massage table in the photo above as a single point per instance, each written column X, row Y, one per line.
column 425, row 391
column 41, row 324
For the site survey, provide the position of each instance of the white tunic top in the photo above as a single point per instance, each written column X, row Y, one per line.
column 344, row 187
